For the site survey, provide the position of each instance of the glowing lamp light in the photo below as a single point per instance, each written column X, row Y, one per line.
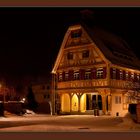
column 23, row 100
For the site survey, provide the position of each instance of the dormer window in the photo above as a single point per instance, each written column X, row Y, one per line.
column 85, row 54
column 70, row 56
column 76, row 33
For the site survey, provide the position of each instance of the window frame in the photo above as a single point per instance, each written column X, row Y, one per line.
column 118, row 100
column 76, row 75
column 70, row 56
column 99, row 73
column 85, row 54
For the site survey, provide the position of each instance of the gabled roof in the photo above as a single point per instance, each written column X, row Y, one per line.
column 114, row 48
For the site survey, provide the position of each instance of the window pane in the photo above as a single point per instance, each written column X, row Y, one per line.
column 70, row 56
column 66, row 75
column 117, row 99
column 60, row 77
column 121, row 74
column 99, row 73
column 76, row 33
column 127, row 76
column 87, row 74
column 76, row 75
column 114, row 73
column 85, row 54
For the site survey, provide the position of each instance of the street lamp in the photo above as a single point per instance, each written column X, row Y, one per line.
column 53, row 94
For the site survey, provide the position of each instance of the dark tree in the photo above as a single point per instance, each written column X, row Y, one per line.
column 31, row 102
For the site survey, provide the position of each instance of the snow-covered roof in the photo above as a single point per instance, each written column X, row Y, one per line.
column 113, row 47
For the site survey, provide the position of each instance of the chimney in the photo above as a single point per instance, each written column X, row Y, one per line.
column 87, row 17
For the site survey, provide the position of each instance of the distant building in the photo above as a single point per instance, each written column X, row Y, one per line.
column 95, row 69
column 42, row 92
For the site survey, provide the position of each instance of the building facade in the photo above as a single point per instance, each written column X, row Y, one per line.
column 42, row 92
column 95, row 69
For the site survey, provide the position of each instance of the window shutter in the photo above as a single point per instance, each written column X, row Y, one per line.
column 117, row 74
column 94, row 73
column 104, row 72
column 135, row 77
column 111, row 73
column 129, row 76
column 90, row 75
column 63, row 76
column 71, row 75
column 57, row 76
column 82, row 74
column 124, row 75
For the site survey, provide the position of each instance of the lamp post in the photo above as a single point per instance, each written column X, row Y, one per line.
column 53, row 94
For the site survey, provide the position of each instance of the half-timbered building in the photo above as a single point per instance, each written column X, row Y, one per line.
column 95, row 69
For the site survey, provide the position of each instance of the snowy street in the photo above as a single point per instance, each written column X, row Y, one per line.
column 67, row 123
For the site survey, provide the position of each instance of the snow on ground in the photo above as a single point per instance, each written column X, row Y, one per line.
column 128, row 123
column 69, row 123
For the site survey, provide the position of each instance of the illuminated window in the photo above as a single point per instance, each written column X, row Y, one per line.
column 87, row 74
column 121, row 74
column 60, row 77
column 114, row 73
column 126, row 102
column 70, row 56
column 76, row 34
column 85, row 54
column 117, row 99
column 126, row 75
column 127, row 99
column 138, row 77
column 76, row 75
column 99, row 73
column 66, row 75
column 132, row 76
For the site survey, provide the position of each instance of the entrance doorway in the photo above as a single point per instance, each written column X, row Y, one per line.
column 97, row 102
column 93, row 101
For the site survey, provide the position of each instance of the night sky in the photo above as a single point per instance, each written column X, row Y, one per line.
column 30, row 38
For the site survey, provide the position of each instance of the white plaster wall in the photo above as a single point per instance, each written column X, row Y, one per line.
column 117, row 107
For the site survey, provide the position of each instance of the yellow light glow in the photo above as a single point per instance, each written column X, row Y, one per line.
column 65, row 103
column 74, row 103
column 83, row 103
